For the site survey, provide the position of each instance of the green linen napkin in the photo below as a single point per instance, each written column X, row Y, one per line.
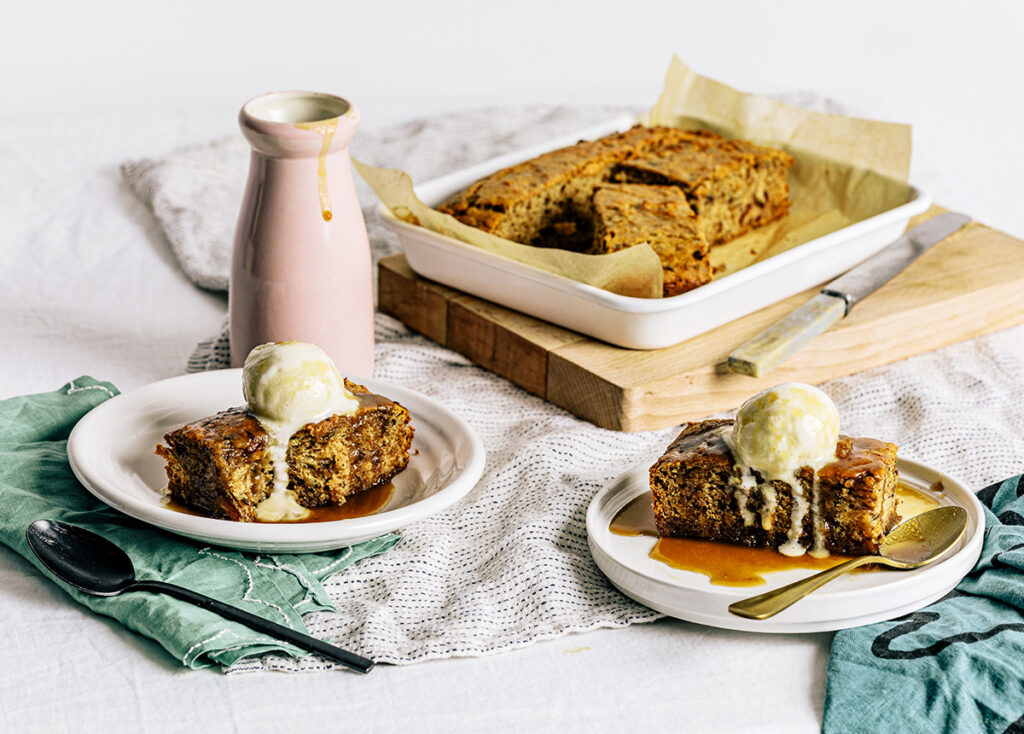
column 957, row 665
column 36, row 482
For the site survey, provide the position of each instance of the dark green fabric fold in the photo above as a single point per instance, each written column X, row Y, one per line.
column 954, row 666
column 36, row 482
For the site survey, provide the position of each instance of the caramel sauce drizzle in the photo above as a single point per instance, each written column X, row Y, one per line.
column 325, row 129
column 726, row 564
column 361, row 504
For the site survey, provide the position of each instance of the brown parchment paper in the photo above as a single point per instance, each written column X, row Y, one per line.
column 845, row 169
column 635, row 271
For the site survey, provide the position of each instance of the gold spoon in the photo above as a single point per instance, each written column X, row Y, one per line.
column 911, row 544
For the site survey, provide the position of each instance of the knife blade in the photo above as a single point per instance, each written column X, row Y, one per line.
column 764, row 352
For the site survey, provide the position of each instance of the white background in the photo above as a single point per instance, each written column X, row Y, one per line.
column 87, row 285
column 952, row 69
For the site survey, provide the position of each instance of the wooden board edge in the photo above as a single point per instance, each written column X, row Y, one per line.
column 585, row 394
column 420, row 304
column 495, row 348
column 642, row 407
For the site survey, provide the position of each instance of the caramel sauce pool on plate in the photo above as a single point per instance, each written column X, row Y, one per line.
column 362, row 504
column 735, row 565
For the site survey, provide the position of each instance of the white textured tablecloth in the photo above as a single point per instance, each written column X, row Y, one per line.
column 90, row 286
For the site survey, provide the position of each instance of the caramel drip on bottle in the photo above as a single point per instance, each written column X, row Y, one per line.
column 326, row 129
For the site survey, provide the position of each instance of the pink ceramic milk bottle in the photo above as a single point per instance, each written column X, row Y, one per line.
column 301, row 265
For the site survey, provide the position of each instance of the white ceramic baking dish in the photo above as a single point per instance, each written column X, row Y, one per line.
column 635, row 323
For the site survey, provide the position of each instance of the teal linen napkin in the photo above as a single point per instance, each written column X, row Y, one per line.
column 957, row 665
column 36, row 482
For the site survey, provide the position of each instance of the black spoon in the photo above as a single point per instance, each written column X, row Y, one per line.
column 93, row 564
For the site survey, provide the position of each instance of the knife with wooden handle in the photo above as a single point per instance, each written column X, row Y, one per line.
column 766, row 351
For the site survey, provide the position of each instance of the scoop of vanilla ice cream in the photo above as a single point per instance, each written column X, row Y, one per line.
column 294, row 383
column 784, row 428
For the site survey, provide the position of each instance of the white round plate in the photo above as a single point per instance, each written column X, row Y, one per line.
column 111, row 453
column 849, row 601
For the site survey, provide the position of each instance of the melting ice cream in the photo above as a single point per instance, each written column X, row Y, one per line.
column 288, row 385
column 777, row 432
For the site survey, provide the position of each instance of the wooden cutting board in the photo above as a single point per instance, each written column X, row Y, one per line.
column 969, row 284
